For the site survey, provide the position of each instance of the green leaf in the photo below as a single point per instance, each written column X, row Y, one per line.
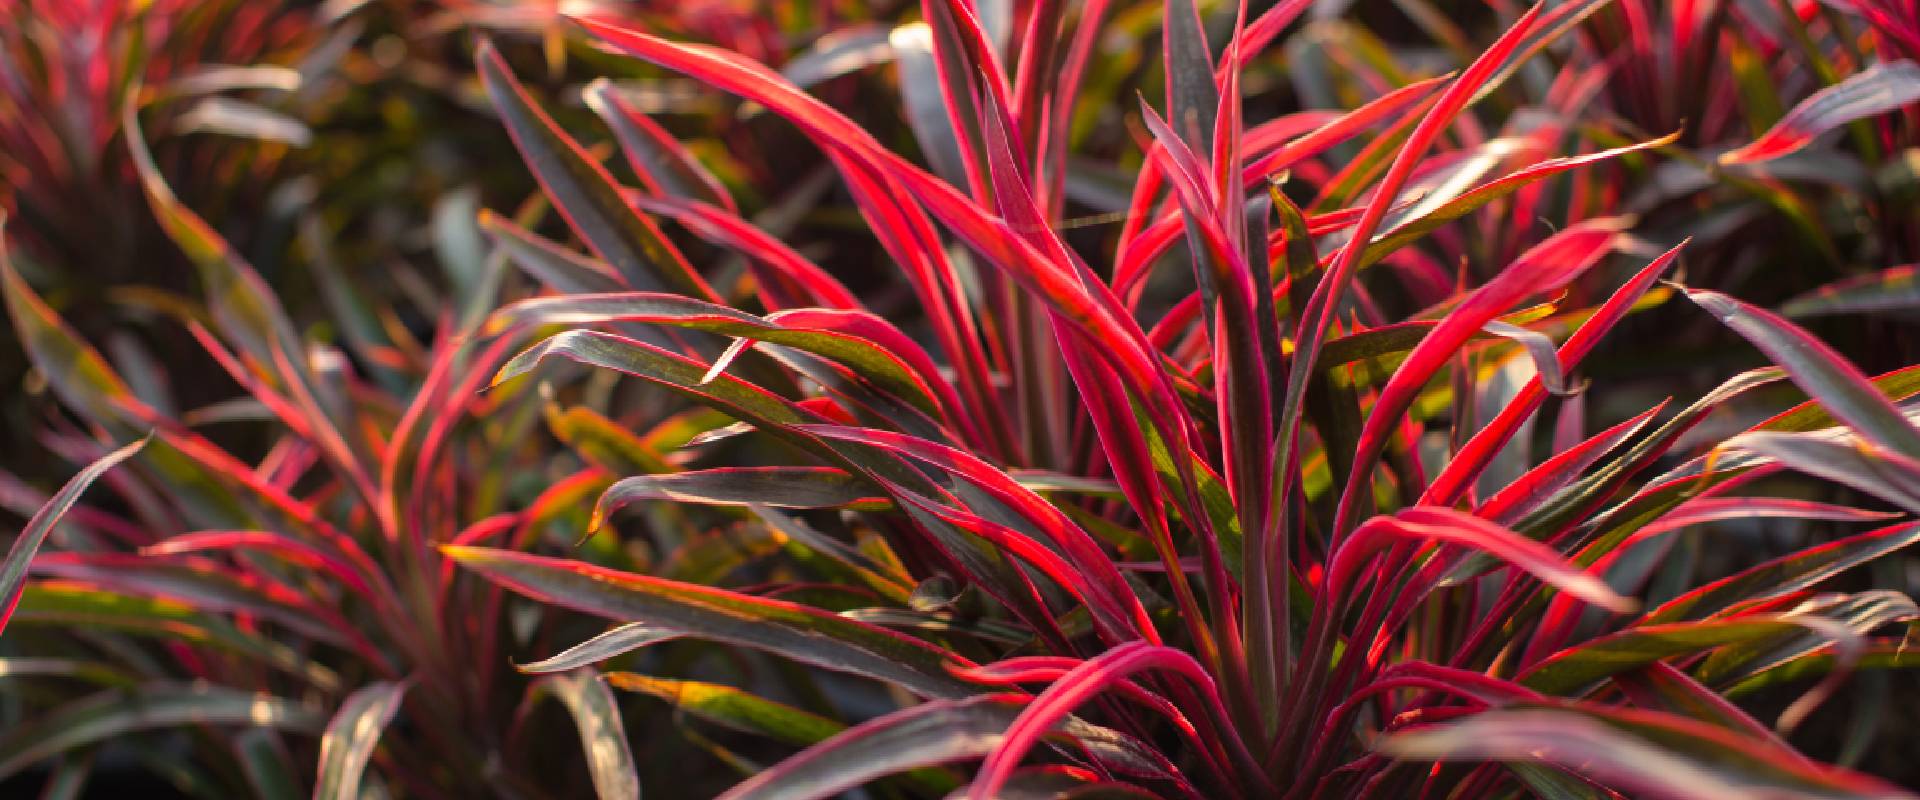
column 929, row 734
column 621, row 639
column 75, row 371
column 1875, row 90
column 585, row 193
column 602, row 735
column 268, row 770
column 1819, row 369
column 1789, row 573
column 1894, row 289
column 351, row 736
column 1641, row 753
column 798, row 632
column 114, row 712
column 13, row 572
column 69, row 605
column 733, row 708
column 780, row 487
column 1576, row 669
column 863, row 356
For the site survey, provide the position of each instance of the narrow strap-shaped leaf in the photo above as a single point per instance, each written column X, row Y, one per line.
column 867, row 358
column 798, row 632
column 1424, row 222
column 554, row 266
column 351, row 736
column 241, row 303
column 602, row 735
column 1578, row 668
column 13, row 572
column 1839, row 457
column 1448, row 526
column 733, row 708
column 1646, row 753
column 1192, row 95
column 585, row 194
column 1077, row 686
column 778, row 417
column 1893, row 289
column 207, row 585
column 1466, row 466
column 1545, row 268
column 772, row 257
column 1789, row 573
column 1875, row 90
column 780, row 487
column 69, row 605
column 926, row 107
column 75, row 371
column 928, row 734
column 1540, row 483
column 621, row 639
column 279, row 544
column 1664, row 687
column 1819, row 369
column 115, row 712
column 269, row 769
column 659, row 160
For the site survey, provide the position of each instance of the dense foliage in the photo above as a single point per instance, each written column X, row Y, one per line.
column 994, row 399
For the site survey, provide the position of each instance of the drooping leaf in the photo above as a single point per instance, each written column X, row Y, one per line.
column 13, row 572
column 1652, row 754
column 1819, row 369
column 70, row 605
column 733, row 708
column 1894, row 289
column 115, row 712
column 1788, row 573
column 864, row 356
column 780, row 487
column 602, row 735
column 351, row 736
column 621, row 639
column 928, row 734
column 798, row 632
column 1875, row 90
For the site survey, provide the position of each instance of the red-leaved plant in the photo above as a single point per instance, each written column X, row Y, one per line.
column 1228, row 568
column 1086, row 526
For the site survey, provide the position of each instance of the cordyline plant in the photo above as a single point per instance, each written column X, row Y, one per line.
column 68, row 71
column 1227, row 567
column 1822, row 230
column 257, row 594
column 1248, row 540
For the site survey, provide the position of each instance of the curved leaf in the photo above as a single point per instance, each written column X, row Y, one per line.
column 864, row 356
column 780, row 487
column 621, row 639
column 1818, row 369
column 1874, row 90
column 798, row 632
column 351, row 736
column 585, row 194
column 602, row 734
column 1650, row 754
column 13, row 572
column 112, row 713
column 733, row 708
